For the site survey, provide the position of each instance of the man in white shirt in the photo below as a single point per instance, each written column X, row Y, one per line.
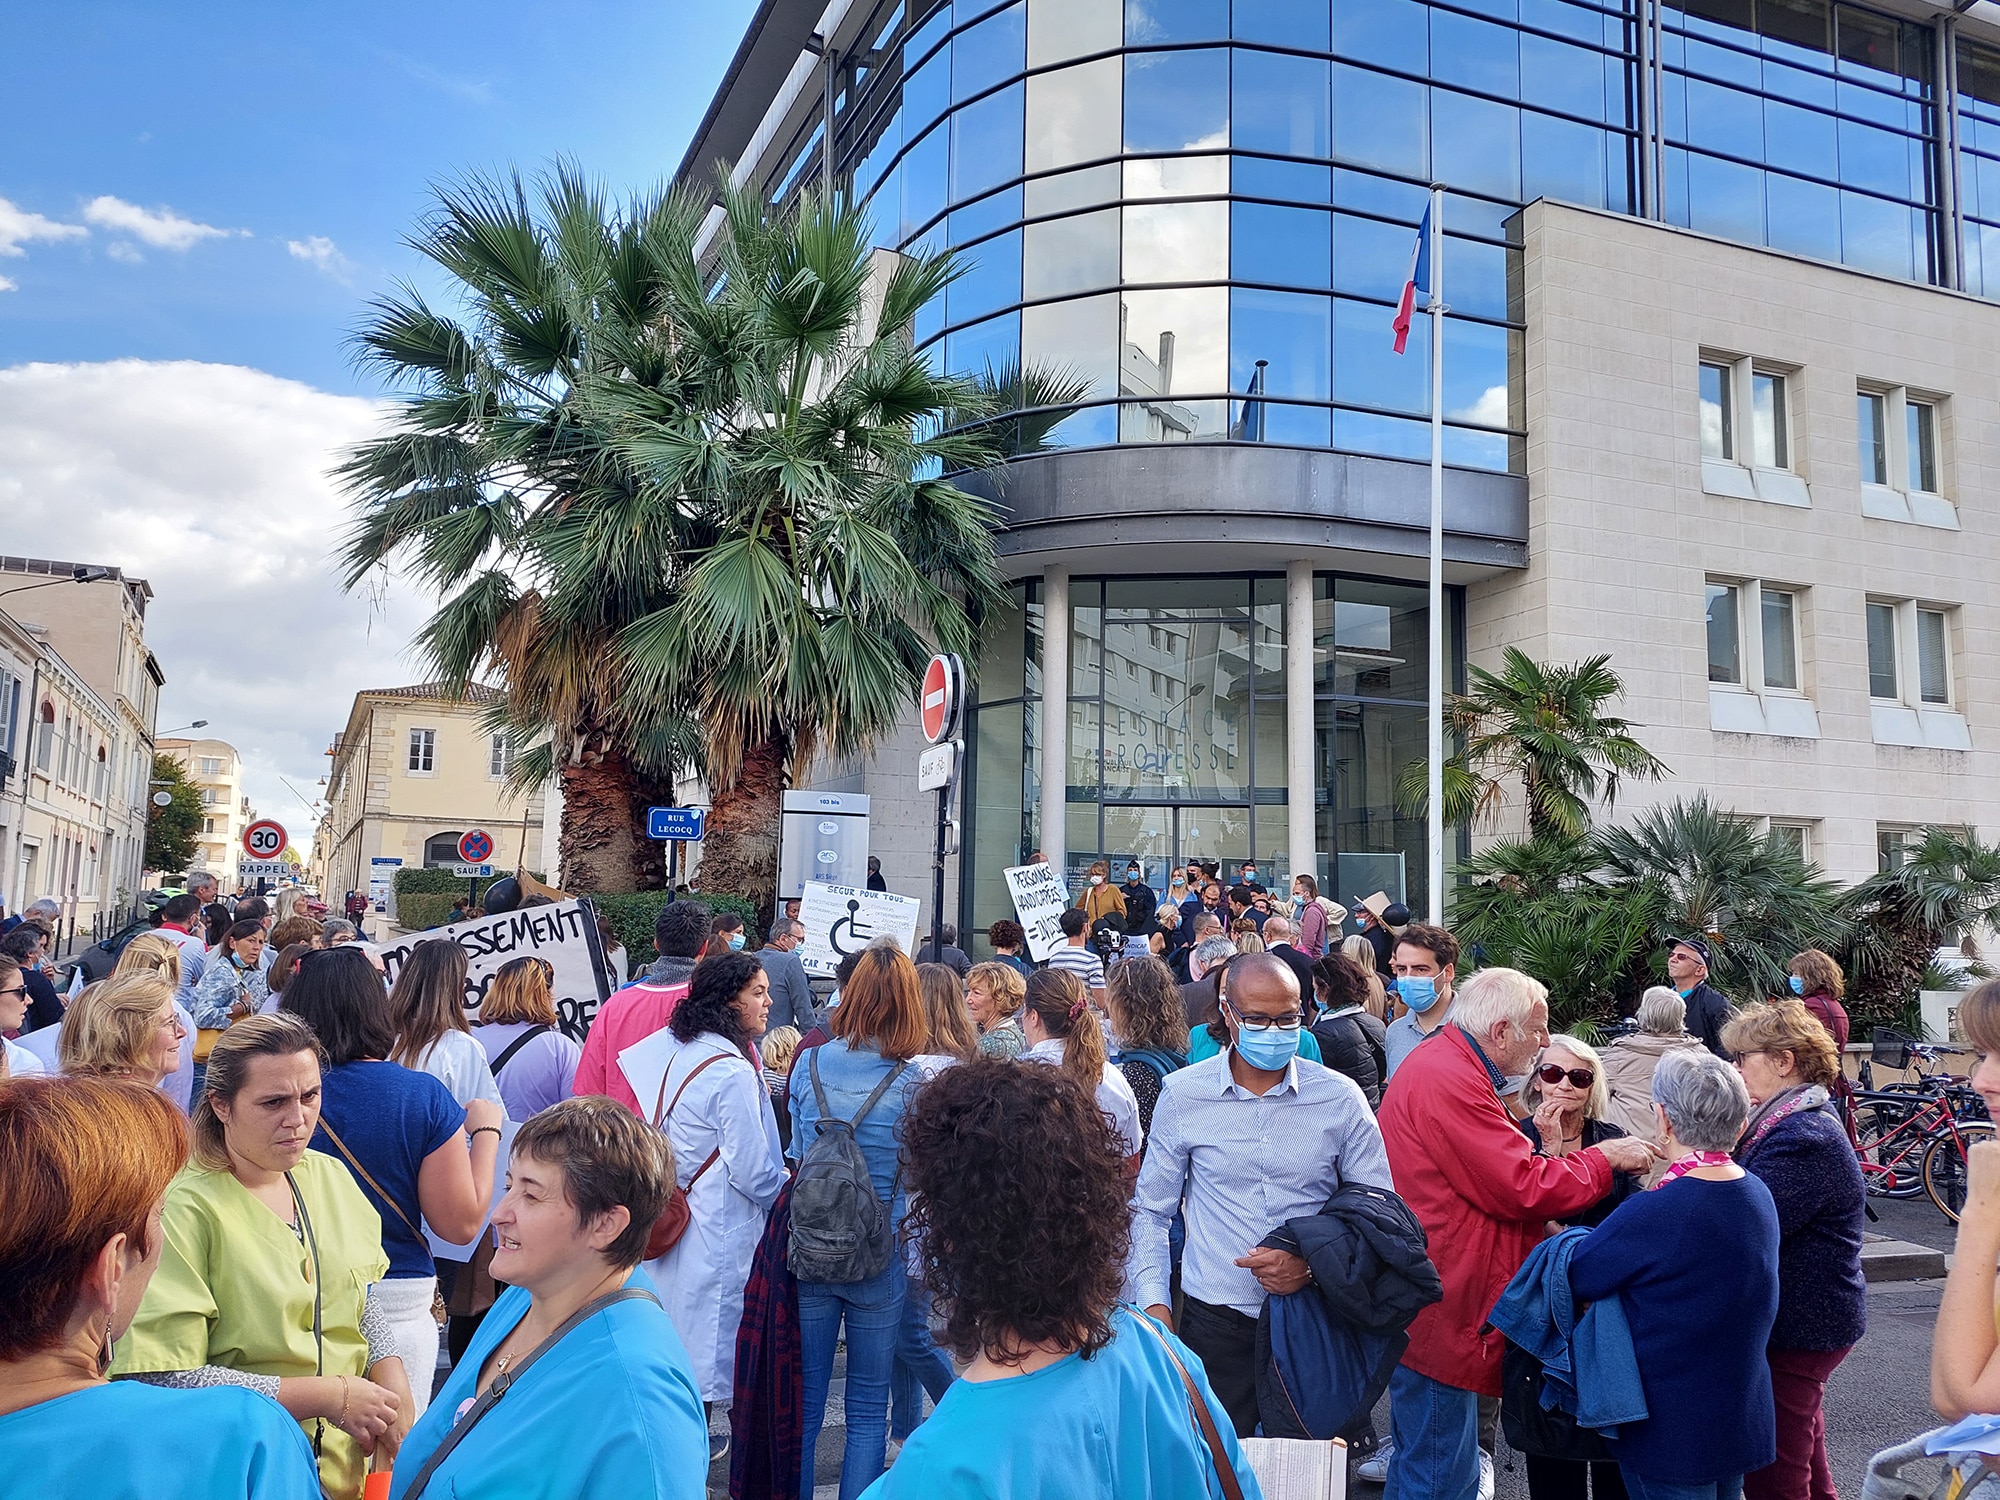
column 1247, row 1139
column 1076, row 955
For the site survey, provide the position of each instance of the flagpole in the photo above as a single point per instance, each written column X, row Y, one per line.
column 1436, row 708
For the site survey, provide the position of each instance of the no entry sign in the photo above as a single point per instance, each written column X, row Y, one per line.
column 943, row 690
column 265, row 839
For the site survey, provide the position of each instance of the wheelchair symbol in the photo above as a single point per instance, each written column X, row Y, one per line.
column 859, row 933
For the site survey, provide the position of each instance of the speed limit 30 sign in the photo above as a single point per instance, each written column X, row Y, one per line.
column 265, row 839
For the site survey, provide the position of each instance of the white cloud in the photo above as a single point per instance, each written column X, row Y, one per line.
column 18, row 226
column 7, row 285
column 161, row 227
column 320, row 253
column 452, row 85
column 126, row 251
column 1490, row 410
column 210, row 481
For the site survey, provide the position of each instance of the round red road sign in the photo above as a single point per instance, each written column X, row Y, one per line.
column 475, row 847
column 943, row 680
column 265, row 839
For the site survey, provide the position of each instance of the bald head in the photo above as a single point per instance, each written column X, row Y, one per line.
column 1262, row 984
column 1277, row 930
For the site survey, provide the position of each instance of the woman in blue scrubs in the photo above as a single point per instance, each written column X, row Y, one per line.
column 1018, row 1198
column 84, row 1168
column 576, row 1386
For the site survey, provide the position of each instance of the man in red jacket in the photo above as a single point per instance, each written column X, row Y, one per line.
column 1484, row 1198
column 680, row 933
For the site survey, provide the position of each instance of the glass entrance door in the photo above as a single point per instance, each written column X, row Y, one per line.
column 1163, row 838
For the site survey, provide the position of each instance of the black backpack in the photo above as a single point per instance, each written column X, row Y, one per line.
column 840, row 1229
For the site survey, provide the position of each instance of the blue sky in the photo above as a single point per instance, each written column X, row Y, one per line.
column 197, row 199
column 304, row 123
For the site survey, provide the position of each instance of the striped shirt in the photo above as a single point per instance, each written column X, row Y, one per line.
column 1080, row 961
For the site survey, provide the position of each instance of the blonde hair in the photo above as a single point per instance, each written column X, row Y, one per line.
column 108, row 1029
column 152, row 953
column 520, row 992
column 950, row 1023
column 780, row 1046
column 1786, row 1026
column 1598, row 1100
column 1362, row 952
column 1003, row 982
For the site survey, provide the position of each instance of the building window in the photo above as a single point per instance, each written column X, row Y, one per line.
column 1894, row 843
column 211, row 765
column 1796, row 838
column 1781, row 639
column 499, row 757
column 1725, row 653
column 1882, row 651
column 423, row 752
column 1768, row 446
column 208, row 796
column 1921, row 439
column 208, row 825
column 1777, row 635
column 1718, row 436
column 1872, row 430
column 1933, row 657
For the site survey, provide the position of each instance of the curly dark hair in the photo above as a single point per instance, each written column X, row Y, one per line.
column 1018, row 1202
column 711, row 999
column 1345, row 983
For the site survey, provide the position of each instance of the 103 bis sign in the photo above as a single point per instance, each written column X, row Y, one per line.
column 564, row 935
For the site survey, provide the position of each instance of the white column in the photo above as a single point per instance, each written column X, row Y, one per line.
column 1301, row 825
column 1055, row 711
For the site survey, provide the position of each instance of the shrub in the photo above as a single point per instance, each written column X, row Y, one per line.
column 632, row 914
column 423, row 909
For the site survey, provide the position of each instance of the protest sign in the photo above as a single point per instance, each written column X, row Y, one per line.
column 843, row 919
column 565, row 935
column 1040, row 899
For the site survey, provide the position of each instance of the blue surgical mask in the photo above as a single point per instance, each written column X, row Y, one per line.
column 1270, row 1049
column 1418, row 991
column 735, row 942
column 1798, row 985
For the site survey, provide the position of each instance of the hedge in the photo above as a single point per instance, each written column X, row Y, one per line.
column 632, row 914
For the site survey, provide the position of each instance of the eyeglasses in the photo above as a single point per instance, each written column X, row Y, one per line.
column 1579, row 1078
column 1261, row 1024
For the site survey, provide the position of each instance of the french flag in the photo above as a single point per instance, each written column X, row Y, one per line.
column 1419, row 281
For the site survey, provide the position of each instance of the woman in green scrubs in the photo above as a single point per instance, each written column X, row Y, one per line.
column 269, row 1253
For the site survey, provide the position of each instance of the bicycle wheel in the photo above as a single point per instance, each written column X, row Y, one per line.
column 1944, row 1167
column 1882, row 1141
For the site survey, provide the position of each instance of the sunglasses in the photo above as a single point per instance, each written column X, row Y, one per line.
column 1579, row 1078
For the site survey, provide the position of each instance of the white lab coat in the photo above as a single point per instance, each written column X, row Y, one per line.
column 701, row 1279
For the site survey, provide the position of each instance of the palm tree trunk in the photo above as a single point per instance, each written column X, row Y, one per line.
column 739, row 855
column 603, row 841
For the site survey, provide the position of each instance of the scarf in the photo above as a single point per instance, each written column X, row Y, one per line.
column 1776, row 1108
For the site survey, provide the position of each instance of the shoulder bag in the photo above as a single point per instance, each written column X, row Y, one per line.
column 438, row 1307
column 504, row 1381
column 1204, row 1419
column 674, row 1218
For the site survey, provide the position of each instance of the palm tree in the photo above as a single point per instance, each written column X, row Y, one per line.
column 825, row 555
column 1947, row 886
column 1544, row 724
column 494, row 485
column 1751, row 895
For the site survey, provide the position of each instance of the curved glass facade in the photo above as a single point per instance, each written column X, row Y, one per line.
column 1181, row 203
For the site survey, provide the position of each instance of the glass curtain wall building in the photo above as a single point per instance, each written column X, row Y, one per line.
column 1204, row 211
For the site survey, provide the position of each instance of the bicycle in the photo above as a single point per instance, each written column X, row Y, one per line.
column 1913, row 1137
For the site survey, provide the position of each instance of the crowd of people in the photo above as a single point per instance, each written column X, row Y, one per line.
column 1076, row 1227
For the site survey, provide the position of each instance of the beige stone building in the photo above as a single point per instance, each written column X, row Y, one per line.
column 409, row 774
column 217, row 769
column 79, row 698
column 1768, row 487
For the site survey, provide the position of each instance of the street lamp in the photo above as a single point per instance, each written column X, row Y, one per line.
column 78, row 574
column 197, row 724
